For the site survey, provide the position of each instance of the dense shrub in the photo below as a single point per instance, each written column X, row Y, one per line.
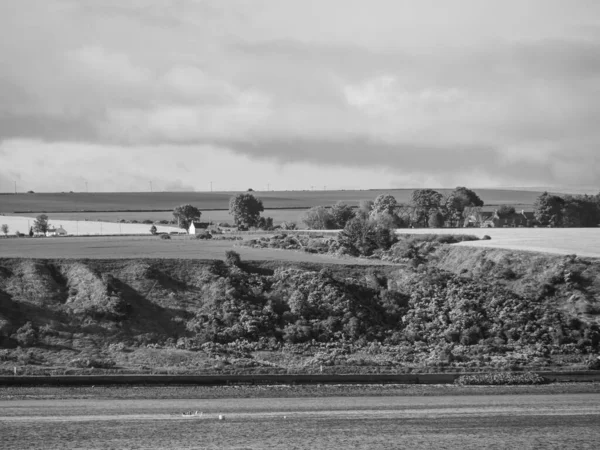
column 361, row 237
column 27, row 335
column 502, row 378
column 232, row 258
column 165, row 236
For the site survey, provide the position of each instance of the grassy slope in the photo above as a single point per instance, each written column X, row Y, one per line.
column 136, row 201
column 133, row 312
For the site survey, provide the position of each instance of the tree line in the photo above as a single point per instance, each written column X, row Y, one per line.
column 431, row 209
column 427, row 208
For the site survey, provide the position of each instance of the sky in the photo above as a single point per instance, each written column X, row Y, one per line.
column 289, row 94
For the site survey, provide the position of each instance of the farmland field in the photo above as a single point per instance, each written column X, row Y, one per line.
column 166, row 201
column 579, row 241
column 216, row 216
column 469, row 422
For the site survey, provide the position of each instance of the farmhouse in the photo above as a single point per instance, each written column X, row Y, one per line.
column 493, row 220
column 198, row 227
column 60, row 231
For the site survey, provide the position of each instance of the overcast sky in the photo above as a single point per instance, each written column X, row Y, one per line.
column 298, row 93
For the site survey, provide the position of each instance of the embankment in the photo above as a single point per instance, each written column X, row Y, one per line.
column 462, row 310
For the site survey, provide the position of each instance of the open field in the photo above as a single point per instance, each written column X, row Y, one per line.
column 166, row 201
column 153, row 247
column 563, row 241
column 469, row 422
column 216, row 216
column 83, row 227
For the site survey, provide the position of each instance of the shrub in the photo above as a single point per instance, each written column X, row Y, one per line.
column 486, row 238
column 232, row 258
column 27, row 335
column 153, row 229
column 165, row 236
column 90, row 363
column 288, row 226
column 503, row 378
column 205, row 235
column 147, row 222
column 361, row 237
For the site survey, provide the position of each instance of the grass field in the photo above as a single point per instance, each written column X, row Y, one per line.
column 179, row 247
column 166, row 201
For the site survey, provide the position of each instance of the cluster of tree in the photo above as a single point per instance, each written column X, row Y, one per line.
column 245, row 208
column 334, row 217
column 427, row 208
column 567, row 211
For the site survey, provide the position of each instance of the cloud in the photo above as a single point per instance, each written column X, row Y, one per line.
column 501, row 89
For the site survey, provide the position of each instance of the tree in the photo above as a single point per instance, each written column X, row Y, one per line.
column 548, row 210
column 459, row 200
column 580, row 211
column 265, row 223
column 30, row 231
column 185, row 215
column 5, row 229
column 40, row 224
column 436, row 220
column 341, row 214
column 384, row 204
column 505, row 211
column 318, row 218
column 363, row 236
column 364, row 208
column 245, row 209
column 424, row 202
column 153, row 229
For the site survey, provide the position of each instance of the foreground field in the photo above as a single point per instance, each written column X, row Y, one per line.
column 468, row 422
column 561, row 241
column 165, row 201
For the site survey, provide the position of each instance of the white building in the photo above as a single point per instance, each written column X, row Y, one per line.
column 60, row 231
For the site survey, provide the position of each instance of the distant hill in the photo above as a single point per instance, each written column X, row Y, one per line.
column 165, row 201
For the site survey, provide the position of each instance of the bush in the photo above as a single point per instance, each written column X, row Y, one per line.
column 486, row 238
column 502, row 378
column 147, row 222
column 90, row 363
column 27, row 335
column 205, row 235
column 232, row 258
column 165, row 236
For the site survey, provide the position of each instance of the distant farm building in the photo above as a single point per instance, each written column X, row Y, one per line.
column 489, row 219
column 198, row 227
column 60, row 231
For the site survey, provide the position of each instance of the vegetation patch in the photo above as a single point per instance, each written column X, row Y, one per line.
column 500, row 379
